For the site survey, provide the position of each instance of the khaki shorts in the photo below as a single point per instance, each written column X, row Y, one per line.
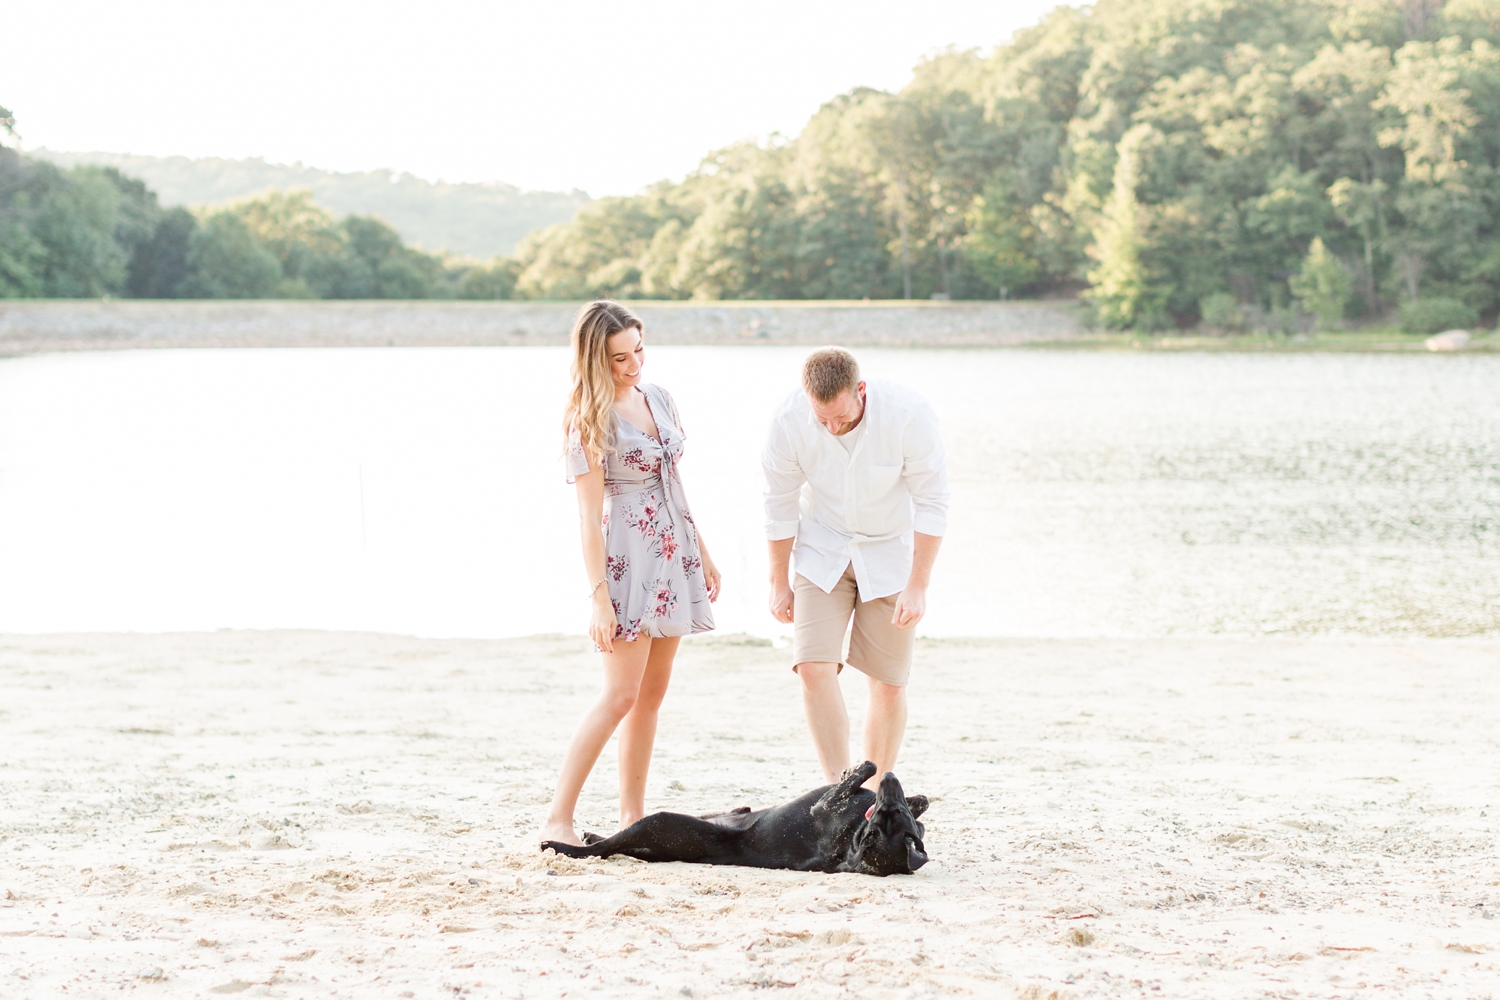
column 876, row 647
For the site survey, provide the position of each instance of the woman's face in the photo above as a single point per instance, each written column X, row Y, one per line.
column 627, row 355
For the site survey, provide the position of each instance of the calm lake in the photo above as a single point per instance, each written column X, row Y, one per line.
column 420, row 490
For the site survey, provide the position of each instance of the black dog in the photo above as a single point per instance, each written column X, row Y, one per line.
column 836, row 828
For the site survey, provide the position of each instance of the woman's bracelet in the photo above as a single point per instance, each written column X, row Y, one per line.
column 595, row 589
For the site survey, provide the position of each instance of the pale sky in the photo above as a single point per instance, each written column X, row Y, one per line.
column 607, row 97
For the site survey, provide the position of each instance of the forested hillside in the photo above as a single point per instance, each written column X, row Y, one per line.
column 1263, row 163
column 1171, row 157
column 475, row 220
column 91, row 231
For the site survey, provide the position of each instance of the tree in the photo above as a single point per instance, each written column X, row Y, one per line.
column 1169, row 153
column 494, row 280
column 1362, row 208
column 1125, row 293
column 22, row 256
column 1321, row 287
column 159, row 266
column 75, row 223
column 226, row 261
column 999, row 242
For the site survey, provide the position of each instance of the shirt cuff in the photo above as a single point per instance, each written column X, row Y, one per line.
column 777, row 530
column 929, row 524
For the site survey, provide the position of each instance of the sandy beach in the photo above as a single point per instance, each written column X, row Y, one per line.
column 308, row 814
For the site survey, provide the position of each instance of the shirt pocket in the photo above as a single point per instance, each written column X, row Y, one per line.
column 882, row 481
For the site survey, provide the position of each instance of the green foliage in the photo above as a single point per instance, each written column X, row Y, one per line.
column 159, row 265
column 474, row 220
column 1125, row 293
column 1160, row 151
column 1436, row 314
column 495, row 280
column 92, row 231
column 68, row 234
column 1321, row 287
column 1000, row 242
column 1220, row 311
column 226, row 261
column 21, row 261
column 1162, row 156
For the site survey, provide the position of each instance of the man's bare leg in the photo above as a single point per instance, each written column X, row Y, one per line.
column 827, row 718
column 885, row 727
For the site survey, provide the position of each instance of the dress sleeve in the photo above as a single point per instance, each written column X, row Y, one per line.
column 672, row 411
column 575, row 460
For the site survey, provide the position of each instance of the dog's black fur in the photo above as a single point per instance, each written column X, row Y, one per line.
column 836, row 828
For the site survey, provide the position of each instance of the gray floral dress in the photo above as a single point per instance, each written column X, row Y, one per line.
column 653, row 568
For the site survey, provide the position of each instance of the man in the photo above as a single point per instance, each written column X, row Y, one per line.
column 857, row 495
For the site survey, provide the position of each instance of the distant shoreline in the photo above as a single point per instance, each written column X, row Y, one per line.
column 36, row 326
column 33, row 326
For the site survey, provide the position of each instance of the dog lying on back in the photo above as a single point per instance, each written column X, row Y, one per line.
column 836, row 828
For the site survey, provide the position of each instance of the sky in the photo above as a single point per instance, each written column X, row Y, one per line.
column 604, row 97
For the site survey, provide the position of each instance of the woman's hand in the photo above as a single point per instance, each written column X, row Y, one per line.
column 711, row 578
column 602, row 622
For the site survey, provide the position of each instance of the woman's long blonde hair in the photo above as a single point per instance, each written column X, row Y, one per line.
column 590, row 412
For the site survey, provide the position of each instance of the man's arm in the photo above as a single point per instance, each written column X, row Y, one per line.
column 925, row 469
column 912, row 604
column 784, row 479
column 781, row 585
column 926, row 474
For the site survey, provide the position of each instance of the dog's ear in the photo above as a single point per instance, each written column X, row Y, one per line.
column 917, row 804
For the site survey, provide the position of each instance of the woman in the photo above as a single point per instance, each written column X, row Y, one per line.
column 651, row 579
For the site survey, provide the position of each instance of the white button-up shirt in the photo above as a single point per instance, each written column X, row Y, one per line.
column 859, row 505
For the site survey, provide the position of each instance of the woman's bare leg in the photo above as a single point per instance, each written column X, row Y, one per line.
column 638, row 730
column 622, row 683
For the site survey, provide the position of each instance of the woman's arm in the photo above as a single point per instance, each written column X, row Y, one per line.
column 711, row 578
column 591, row 529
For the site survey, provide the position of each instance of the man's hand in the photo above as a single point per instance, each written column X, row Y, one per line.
column 781, row 579
column 910, row 607
column 781, row 600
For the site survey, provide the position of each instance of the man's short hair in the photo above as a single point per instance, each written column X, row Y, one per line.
column 829, row 371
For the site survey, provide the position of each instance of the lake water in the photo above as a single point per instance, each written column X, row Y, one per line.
column 420, row 490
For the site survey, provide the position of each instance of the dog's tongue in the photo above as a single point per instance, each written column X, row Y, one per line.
column 870, row 811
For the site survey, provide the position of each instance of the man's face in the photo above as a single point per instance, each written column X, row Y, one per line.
column 841, row 414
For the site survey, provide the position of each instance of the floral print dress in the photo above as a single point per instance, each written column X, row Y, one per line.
column 652, row 564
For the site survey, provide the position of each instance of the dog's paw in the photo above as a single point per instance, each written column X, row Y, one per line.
column 859, row 773
column 917, row 804
column 566, row 850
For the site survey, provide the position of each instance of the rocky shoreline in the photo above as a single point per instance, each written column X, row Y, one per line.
column 34, row 326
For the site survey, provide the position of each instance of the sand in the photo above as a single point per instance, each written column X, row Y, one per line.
column 306, row 814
